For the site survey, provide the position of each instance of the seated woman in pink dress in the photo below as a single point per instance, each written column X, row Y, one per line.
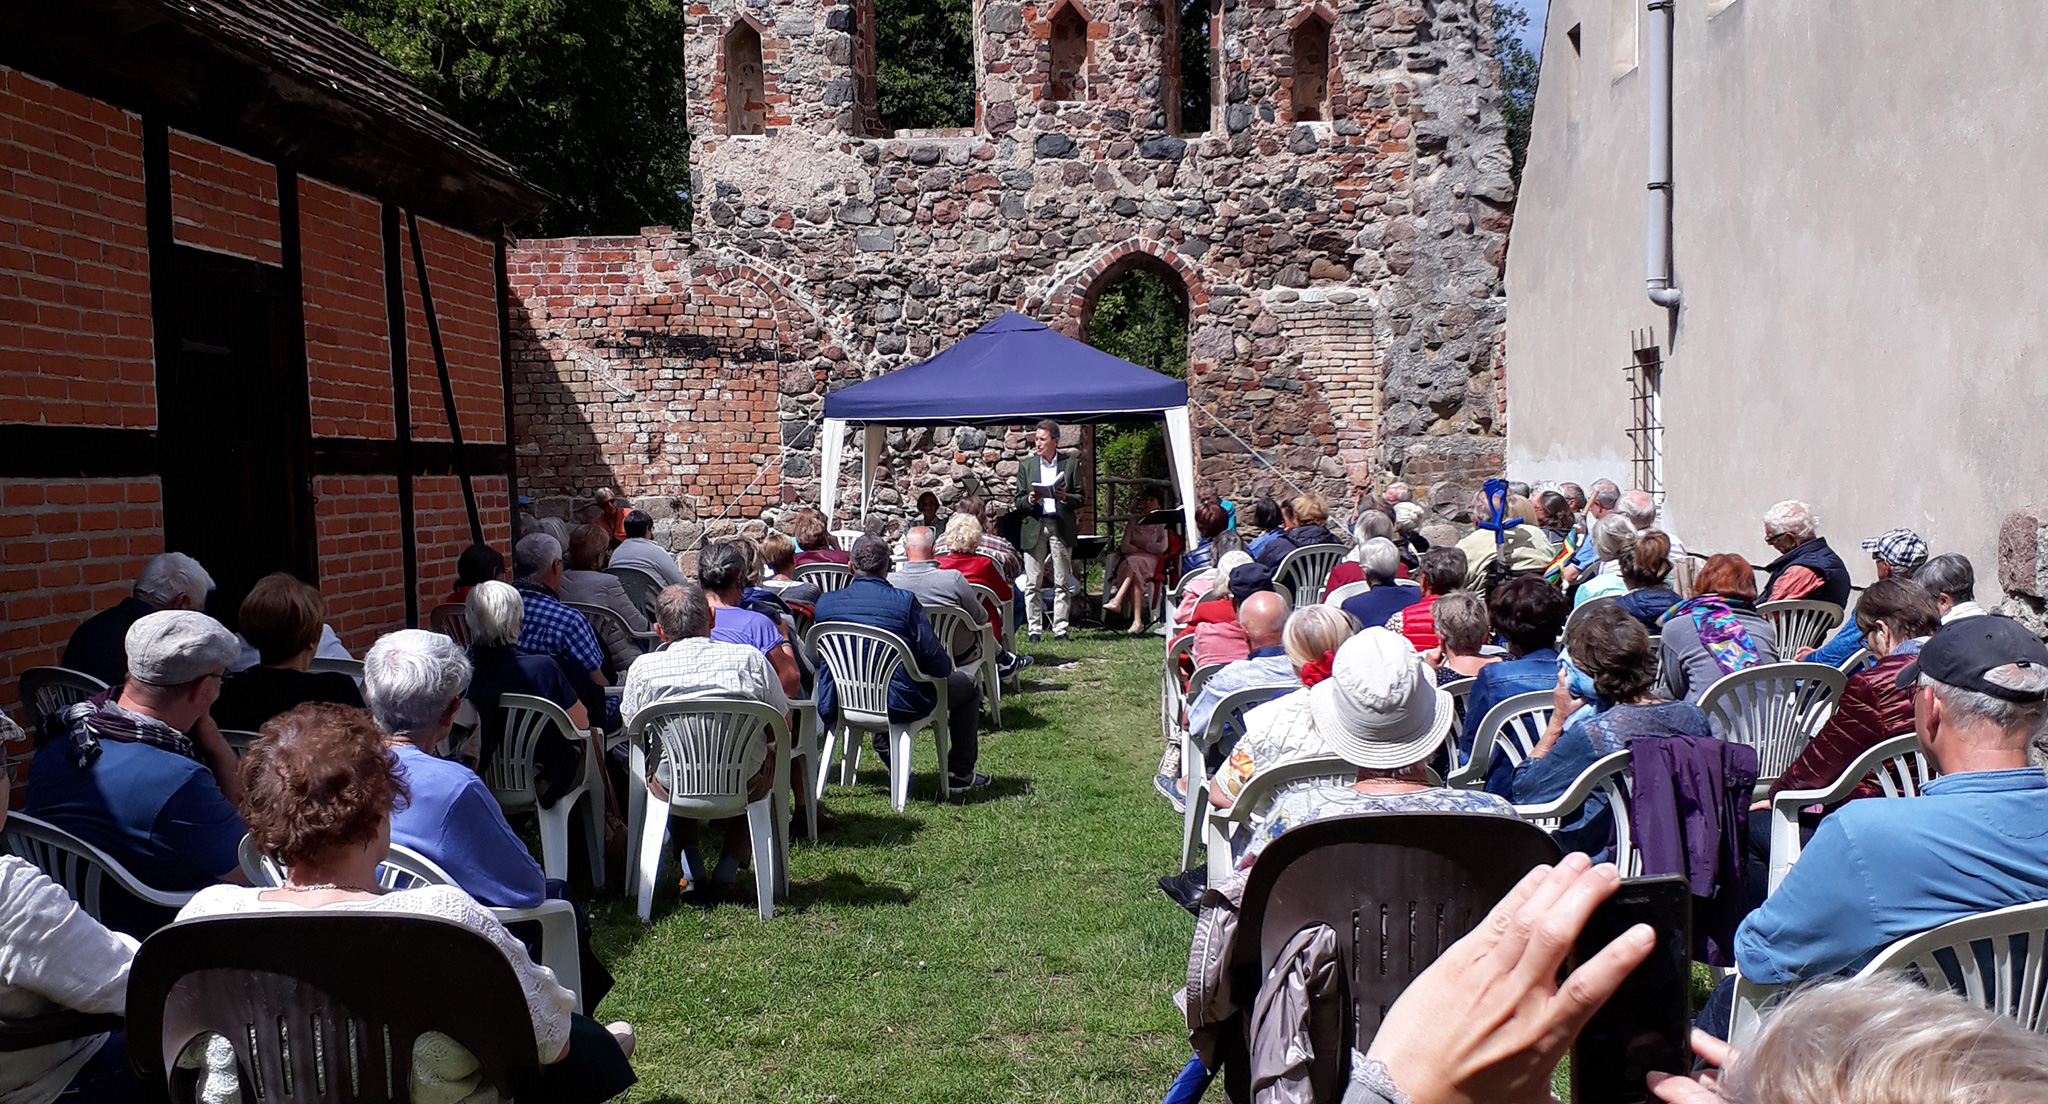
column 1137, row 569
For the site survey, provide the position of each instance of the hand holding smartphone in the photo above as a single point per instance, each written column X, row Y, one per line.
column 1645, row 1026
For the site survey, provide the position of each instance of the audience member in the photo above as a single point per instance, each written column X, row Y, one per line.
column 869, row 600
column 1715, row 632
column 1525, row 546
column 281, row 617
column 1894, row 552
column 611, row 511
column 1518, row 489
column 1603, row 699
column 1380, row 710
column 414, row 681
column 1606, row 497
column 1557, row 518
column 1139, row 567
column 640, row 553
column 1443, row 572
column 1281, row 731
column 693, row 665
column 549, row 628
column 1528, row 613
column 496, row 616
column 1210, row 521
column 1462, row 630
column 478, row 563
column 1969, row 844
column 1264, row 616
column 921, row 575
column 814, row 543
column 964, row 538
column 321, row 788
column 1268, row 517
column 1380, row 561
column 1009, row 562
column 722, row 572
column 779, row 553
column 55, row 958
column 1640, row 508
column 585, row 583
column 170, row 581
column 1368, row 524
column 1305, row 518
column 1644, row 568
column 1806, row 567
column 1897, row 616
column 1218, row 636
column 558, row 528
column 141, row 773
column 1953, row 583
column 1612, row 536
column 1048, row 493
column 928, row 511
column 1207, row 495
column 1574, row 494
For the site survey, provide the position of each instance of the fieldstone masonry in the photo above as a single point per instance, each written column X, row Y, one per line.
column 1341, row 276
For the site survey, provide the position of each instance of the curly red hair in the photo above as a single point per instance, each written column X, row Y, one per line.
column 318, row 778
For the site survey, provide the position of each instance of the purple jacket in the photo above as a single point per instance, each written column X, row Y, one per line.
column 1689, row 812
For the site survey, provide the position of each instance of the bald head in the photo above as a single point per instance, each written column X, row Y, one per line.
column 918, row 544
column 1263, row 616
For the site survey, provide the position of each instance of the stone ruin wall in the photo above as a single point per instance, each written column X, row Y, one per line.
column 1342, row 276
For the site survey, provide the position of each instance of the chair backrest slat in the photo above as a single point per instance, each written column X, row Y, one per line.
column 1775, row 708
column 1346, row 592
column 84, row 871
column 1304, row 571
column 828, row 576
column 641, row 588
column 46, row 692
column 448, row 620
column 862, row 660
column 514, row 774
column 1801, row 623
column 2012, row 941
column 1515, row 726
column 701, row 746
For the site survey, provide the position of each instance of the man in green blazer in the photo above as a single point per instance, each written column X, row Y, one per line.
column 1048, row 490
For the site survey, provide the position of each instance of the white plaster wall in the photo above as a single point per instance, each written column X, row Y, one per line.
column 1860, row 244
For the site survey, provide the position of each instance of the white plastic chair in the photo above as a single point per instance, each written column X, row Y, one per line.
column 641, row 587
column 1347, row 592
column 1516, row 725
column 1009, row 635
column 1801, row 623
column 1460, row 690
column 1304, row 571
column 808, row 745
column 1226, row 727
column 1856, row 662
column 448, row 620
column 701, row 761
column 239, row 739
column 648, row 641
column 353, row 668
column 405, row 868
column 1220, row 825
column 82, row 870
column 828, row 576
column 46, row 692
column 1775, row 708
column 863, row 660
column 1902, row 771
column 1947, row 958
column 513, row 776
column 1607, row 775
column 949, row 624
column 1172, row 703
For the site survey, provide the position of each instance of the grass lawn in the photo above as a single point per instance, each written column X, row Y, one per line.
column 1008, row 947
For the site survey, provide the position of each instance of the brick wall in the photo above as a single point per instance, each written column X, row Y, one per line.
column 223, row 200
column 460, row 271
column 441, row 529
column 362, row 571
column 74, row 275
column 348, row 354
column 68, row 548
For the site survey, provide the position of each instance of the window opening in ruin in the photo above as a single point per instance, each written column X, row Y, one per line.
column 1186, row 88
column 1645, row 376
column 1069, row 41
column 1311, row 95
column 924, row 61
column 1571, row 75
column 746, row 109
column 1138, row 311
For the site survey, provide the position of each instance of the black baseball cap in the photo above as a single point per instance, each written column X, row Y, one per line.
column 1250, row 579
column 1964, row 650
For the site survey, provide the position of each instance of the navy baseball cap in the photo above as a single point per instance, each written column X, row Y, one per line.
column 1249, row 580
column 1965, row 651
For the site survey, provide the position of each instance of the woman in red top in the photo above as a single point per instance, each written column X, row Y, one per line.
column 963, row 538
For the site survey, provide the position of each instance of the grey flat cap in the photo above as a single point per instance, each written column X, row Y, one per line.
column 174, row 647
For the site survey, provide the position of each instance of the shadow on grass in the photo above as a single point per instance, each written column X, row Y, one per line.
column 851, row 890
column 853, row 829
column 998, row 788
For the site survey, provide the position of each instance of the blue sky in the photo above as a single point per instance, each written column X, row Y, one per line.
column 1533, row 37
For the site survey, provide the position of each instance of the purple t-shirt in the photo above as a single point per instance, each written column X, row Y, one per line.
column 742, row 626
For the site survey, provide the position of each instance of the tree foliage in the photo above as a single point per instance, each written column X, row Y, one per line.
column 1141, row 318
column 585, row 97
column 1518, row 72
column 1195, row 79
column 924, row 61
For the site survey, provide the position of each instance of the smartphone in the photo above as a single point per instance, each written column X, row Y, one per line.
column 1645, row 1026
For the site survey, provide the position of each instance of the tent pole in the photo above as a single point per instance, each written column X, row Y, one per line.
column 1180, row 454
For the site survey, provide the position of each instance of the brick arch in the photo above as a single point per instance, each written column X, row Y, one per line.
column 1071, row 302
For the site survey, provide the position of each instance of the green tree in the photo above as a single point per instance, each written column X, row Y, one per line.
column 924, row 61
column 1518, row 72
column 1139, row 317
column 1195, row 86
column 585, row 97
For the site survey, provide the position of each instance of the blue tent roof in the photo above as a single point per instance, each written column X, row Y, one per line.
column 1010, row 370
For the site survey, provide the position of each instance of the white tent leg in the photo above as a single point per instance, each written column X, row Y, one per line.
column 1180, row 456
column 871, row 452
column 834, row 436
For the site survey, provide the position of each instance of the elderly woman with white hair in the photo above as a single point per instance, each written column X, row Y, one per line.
column 1613, row 535
column 1806, row 567
column 495, row 614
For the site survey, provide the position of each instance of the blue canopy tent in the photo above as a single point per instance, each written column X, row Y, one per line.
column 1011, row 370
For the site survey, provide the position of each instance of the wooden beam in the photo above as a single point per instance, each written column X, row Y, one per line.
column 77, row 452
column 401, row 410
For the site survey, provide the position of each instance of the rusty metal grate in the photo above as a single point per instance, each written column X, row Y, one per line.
column 1645, row 375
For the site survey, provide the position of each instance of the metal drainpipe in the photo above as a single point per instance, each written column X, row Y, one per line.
column 1658, row 83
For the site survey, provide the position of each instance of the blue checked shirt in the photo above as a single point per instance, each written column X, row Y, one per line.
column 553, row 629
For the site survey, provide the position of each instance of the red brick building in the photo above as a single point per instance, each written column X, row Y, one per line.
column 252, row 308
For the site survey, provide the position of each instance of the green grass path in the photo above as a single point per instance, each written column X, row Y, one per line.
column 1009, row 948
